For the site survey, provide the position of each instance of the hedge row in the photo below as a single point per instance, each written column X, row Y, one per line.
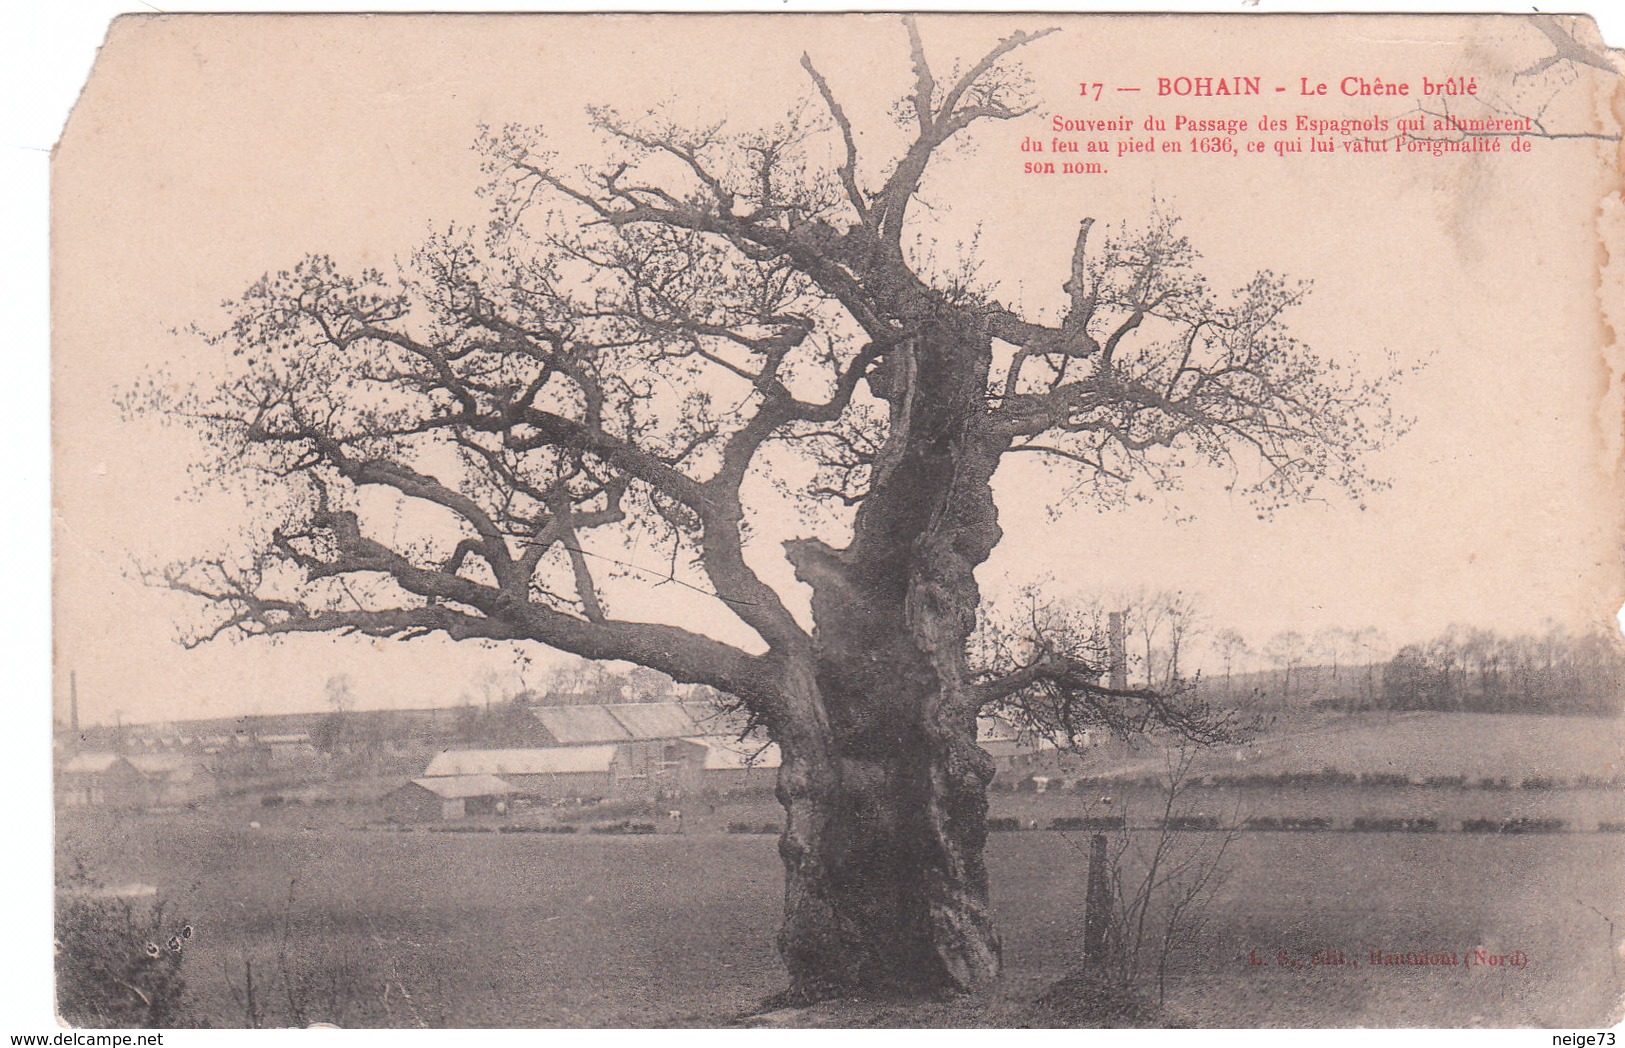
column 1515, row 825
column 1271, row 822
column 1088, row 822
column 624, row 826
column 1005, row 824
column 1324, row 777
column 1395, row 825
column 1190, row 822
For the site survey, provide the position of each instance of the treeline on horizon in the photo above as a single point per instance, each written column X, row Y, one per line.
column 1462, row 670
column 1480, row 671
column 1171, row 640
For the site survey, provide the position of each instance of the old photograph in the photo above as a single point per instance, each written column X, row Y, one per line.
column 852, row 520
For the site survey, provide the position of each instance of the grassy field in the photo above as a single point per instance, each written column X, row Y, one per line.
column 1583, row 810
column 366, row 928
column 1480, row 745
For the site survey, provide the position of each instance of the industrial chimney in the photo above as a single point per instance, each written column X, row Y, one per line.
column 1116, row 651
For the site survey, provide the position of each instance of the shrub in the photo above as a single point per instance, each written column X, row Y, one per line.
column 625, row 826
column 1395, row 825
column 1156, row 911
column 1088, row 822
column 1190, row 822
column 1270, row 822
column 612, row 810
column 118, row 962
column 1522, row 825
column 1386, row 778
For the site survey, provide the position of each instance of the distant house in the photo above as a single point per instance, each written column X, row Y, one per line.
column 143, row 780
column 100, row 780
column 659, row 768
column 446, row 797
column 174, row 779
column 1017, row 751
column 288, row 747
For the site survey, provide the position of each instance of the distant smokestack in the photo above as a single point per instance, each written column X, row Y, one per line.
column 73, row 703
column 1116, row 651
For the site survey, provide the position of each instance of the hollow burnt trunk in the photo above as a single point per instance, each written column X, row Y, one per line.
column 886, row 893
column 883, row 782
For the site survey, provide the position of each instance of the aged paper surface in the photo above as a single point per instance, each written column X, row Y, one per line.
column 1418, row 631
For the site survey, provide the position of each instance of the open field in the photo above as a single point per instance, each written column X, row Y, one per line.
column 1475, row 745
column 485, row 929
column 1583, row 810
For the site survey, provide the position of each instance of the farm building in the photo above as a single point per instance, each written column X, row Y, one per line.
column 446, row 797
column 1015, row 750
column 174, row 779
column 735, row 767
column 112, row 780
column 289, row 746
column 636, row 721
column 554, row 772
column 664, row 749
column 101, row 780
column 657, row 768
column 580, row 725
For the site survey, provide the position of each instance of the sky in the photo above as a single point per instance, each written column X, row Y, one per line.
column 207, row 151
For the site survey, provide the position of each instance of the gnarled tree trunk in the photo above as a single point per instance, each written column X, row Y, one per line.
column 883, row 782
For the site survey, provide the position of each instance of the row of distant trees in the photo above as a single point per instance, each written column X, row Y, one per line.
column 1476, row 670
column 1169, row 637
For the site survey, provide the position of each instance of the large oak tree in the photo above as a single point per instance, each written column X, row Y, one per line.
column 639, row 344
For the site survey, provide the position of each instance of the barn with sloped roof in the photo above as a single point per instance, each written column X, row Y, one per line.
column 101, row 780
column 446, row 797
column 653, row 769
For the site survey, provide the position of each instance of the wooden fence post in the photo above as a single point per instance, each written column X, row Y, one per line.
column 1095, row 903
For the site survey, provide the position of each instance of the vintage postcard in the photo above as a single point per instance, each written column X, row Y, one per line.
column 1002, row 520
